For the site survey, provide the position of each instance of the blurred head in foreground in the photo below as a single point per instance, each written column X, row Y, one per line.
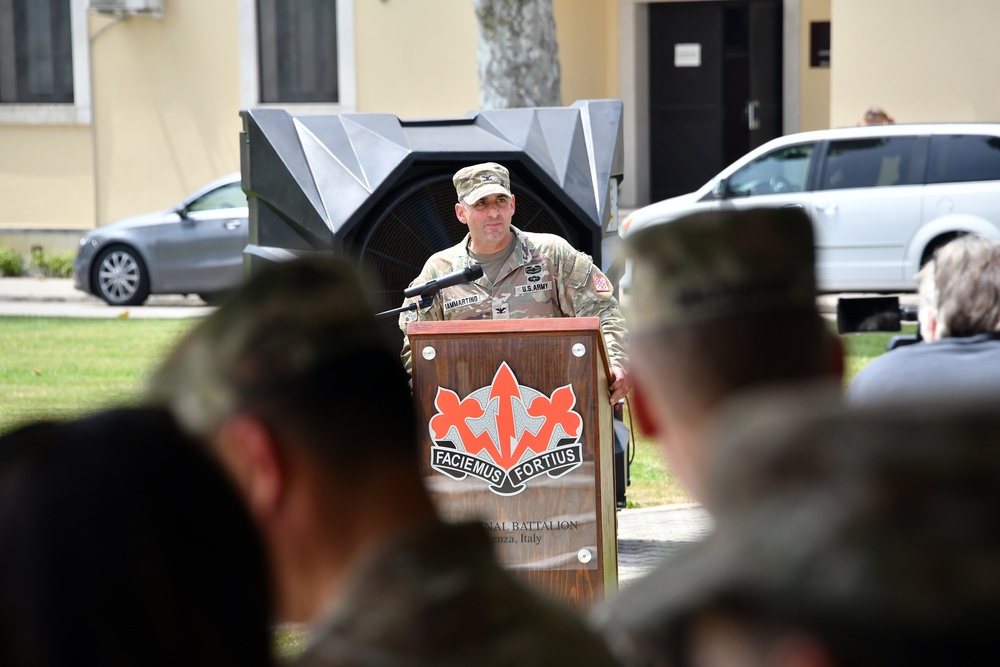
column 722, row 302
column 309, row 409
column 124, row 544
column 843, row 538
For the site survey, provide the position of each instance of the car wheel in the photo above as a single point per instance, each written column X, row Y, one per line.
column 933, row 246
column 120, row 277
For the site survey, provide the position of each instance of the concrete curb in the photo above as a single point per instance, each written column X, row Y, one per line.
column 56, row 297
column 42, row 289
column 61, row 290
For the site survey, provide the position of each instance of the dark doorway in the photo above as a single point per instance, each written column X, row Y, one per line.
column 714, row 87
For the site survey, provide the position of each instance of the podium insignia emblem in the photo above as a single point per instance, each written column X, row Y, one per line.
column 506, row 434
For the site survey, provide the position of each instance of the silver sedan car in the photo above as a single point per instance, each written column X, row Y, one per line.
column 195, row 247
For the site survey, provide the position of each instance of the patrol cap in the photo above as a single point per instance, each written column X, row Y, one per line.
column 716, row 264
column 885, row 518
column 475, row 182
column 290, row 321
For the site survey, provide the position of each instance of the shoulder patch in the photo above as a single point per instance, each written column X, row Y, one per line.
column 601, row 283
column 579, row 266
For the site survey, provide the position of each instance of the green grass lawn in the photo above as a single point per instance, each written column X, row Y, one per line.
column 653, row 482
column 55, row 367
column 62, row 367
column 859, row 349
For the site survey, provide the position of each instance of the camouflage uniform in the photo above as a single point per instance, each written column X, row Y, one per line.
column 876, row 525
column 719, row 264
column 438, row 597
column 544, row 277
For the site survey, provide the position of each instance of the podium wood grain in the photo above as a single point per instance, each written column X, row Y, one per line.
column 467, row 355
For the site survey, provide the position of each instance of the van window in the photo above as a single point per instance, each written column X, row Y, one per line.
column 957, row 158
column 777, row 172
column 869, row 163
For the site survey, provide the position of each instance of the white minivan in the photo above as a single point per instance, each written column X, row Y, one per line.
column 881, row 198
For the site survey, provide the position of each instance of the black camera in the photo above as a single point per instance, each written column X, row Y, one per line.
column 865, row 314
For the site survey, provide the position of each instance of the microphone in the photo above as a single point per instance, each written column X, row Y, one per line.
column 432, row 287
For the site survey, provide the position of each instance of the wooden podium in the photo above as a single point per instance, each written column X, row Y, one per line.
column 516, row 431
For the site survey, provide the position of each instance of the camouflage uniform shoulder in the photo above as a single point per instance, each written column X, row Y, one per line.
column 445, row 261
column 877, row 521
column 548, row 244
column 436, row 595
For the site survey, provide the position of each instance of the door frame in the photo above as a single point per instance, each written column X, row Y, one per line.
column 633, row 76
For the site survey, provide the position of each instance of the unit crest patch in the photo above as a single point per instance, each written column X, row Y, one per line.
column 506, row 434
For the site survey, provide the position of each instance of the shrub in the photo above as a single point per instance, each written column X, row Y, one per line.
column 55, row 265
column 11, row 262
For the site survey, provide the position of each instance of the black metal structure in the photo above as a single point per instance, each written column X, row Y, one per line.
column 378, row 189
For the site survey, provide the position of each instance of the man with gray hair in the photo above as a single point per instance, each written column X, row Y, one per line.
column 960, row 322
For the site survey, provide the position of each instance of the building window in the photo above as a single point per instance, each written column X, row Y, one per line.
column 297, row 51
column 36, row 52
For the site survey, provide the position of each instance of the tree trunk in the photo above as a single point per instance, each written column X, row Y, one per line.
column 518, row 56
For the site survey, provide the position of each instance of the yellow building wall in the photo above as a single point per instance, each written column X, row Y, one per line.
column 814, row 91
column 922, row 60
column 166, row 105
column 45, row 177
column 416, row 59
column 587, row 33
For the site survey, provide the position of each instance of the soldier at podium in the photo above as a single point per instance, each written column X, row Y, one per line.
column 524, row 274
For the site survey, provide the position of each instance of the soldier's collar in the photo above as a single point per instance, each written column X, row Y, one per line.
column 524, row 254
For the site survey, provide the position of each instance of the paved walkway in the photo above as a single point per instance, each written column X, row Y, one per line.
column 647, row 535
column 56, row 297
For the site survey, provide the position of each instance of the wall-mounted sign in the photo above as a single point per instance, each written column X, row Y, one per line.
column 819, row 44
column 687, row 55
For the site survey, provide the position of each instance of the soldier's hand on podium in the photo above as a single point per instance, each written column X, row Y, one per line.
column 621, row 384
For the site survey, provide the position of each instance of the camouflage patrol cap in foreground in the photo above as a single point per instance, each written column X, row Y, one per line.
column 721, row 263
column 882, row 519
column 475, row 182
column 286, row 322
